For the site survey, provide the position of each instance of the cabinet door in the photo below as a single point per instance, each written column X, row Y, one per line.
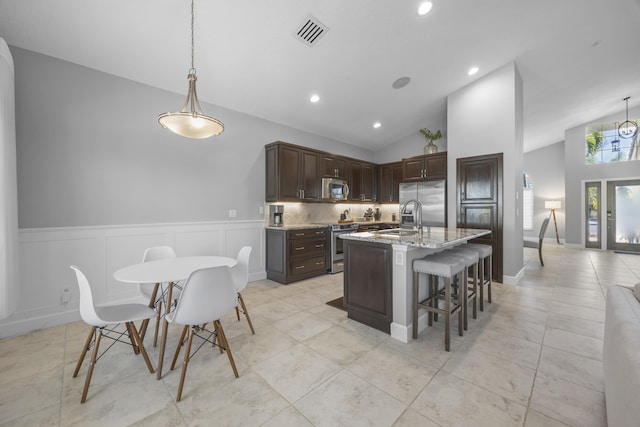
column 389, row 179
column 334, row 167
column 309, row 182
column 355, row 181
column 384, row 183
column 368, row 182
column 413, row 169
column 290, row 163
column 435, row 166
column 396, row 179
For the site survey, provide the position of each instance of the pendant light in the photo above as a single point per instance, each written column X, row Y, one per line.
column 627, row 129
column 615, row 144
column 190, row 121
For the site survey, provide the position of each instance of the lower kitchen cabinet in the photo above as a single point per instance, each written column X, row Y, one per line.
column 368, row 281
column 297, row 254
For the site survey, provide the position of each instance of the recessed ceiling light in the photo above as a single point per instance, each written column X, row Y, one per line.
column 424, row 8
column 314, row 98
column 472, row 71
column 376, row 125
column 401, row 82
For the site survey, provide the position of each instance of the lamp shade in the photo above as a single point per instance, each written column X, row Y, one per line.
column 552, row 204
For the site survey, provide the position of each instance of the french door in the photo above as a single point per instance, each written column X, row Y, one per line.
column 623, row 223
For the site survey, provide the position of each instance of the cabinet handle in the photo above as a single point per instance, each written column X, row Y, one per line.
column 426, row 173
column 299, row 248
column 299, row 234
column 300, row 267
column 319, row 246
column 319, row 263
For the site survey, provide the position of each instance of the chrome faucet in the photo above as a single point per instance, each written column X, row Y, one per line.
column 418, row 214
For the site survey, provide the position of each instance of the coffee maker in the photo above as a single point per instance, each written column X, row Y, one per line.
column 276, row 215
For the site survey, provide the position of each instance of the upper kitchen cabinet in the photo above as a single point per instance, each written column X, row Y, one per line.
column 292, row 173
column 389, row 179
column 362, row 182
column 425, row 168
column 334, row 167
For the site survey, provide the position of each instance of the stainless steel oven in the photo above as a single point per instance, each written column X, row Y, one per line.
column 337, row 253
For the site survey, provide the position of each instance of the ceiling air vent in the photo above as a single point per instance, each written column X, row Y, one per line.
column 310, row 31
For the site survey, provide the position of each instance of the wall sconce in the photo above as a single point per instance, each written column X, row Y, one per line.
column 552, row 205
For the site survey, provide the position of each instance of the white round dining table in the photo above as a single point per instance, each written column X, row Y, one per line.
column 169, row 270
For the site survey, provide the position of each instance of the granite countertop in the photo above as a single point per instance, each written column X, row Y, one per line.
column 435, row 238
column 295, row 226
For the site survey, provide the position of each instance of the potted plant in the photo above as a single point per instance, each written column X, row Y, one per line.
column 430, row 148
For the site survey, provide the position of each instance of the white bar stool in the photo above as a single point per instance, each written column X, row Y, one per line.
column 485, row 252
column 438, row 266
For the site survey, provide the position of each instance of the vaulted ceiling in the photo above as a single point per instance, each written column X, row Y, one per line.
column 578, row 58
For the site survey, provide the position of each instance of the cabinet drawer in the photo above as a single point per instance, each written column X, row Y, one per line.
column 307, row 247
column 308, row 232
column 306, row 266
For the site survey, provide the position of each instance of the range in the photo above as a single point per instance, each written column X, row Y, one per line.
column 337, row 254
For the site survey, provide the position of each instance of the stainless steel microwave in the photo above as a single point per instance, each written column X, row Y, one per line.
column 334, row 189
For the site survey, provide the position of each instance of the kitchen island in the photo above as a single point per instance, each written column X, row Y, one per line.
column 378, row 274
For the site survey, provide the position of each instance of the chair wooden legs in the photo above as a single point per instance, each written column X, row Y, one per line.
column 85, row 349
column 246, row 313
column 95, row 336
column 180, row 343
column 187, row 352
column 223, row 344
column 92, row 363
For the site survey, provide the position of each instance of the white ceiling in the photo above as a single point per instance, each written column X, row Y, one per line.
column 578, row 58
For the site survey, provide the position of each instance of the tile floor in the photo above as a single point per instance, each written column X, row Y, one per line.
column 532, row 358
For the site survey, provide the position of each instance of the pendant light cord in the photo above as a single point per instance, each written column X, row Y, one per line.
column 192, row 38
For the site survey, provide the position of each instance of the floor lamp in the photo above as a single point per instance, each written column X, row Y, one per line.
column 553, row 205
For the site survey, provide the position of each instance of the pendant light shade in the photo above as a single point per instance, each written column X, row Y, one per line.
column 190, row 121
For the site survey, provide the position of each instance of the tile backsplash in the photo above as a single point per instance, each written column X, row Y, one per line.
column 305, row 213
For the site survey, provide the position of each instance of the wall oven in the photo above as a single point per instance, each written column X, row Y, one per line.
column 337, row 253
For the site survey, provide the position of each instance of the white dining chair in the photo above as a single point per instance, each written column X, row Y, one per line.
column 207, row 296
column 240, row 274
column 156, row 292
column 101, row 316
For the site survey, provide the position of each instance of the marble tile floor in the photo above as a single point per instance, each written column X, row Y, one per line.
column 532, row 358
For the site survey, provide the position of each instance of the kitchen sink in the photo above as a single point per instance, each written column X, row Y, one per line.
column 395, row 232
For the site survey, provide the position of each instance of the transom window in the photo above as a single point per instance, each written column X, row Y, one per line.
column 603, row 144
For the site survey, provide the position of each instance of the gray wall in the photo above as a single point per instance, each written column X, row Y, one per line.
column 577, row 172
column 545, row 168
column 486, row 117
column 90, row 152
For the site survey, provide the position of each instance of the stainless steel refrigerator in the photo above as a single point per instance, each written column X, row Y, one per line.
column 432, row 196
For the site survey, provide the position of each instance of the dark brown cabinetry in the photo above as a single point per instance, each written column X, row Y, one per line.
column 292, row 174
column 389, row 179
column 362, row 182
column 334, row 167
column 368, row 283
column 297, row 254
column 425, row 168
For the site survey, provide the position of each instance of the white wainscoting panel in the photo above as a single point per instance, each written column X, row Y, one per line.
column 46, row 254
